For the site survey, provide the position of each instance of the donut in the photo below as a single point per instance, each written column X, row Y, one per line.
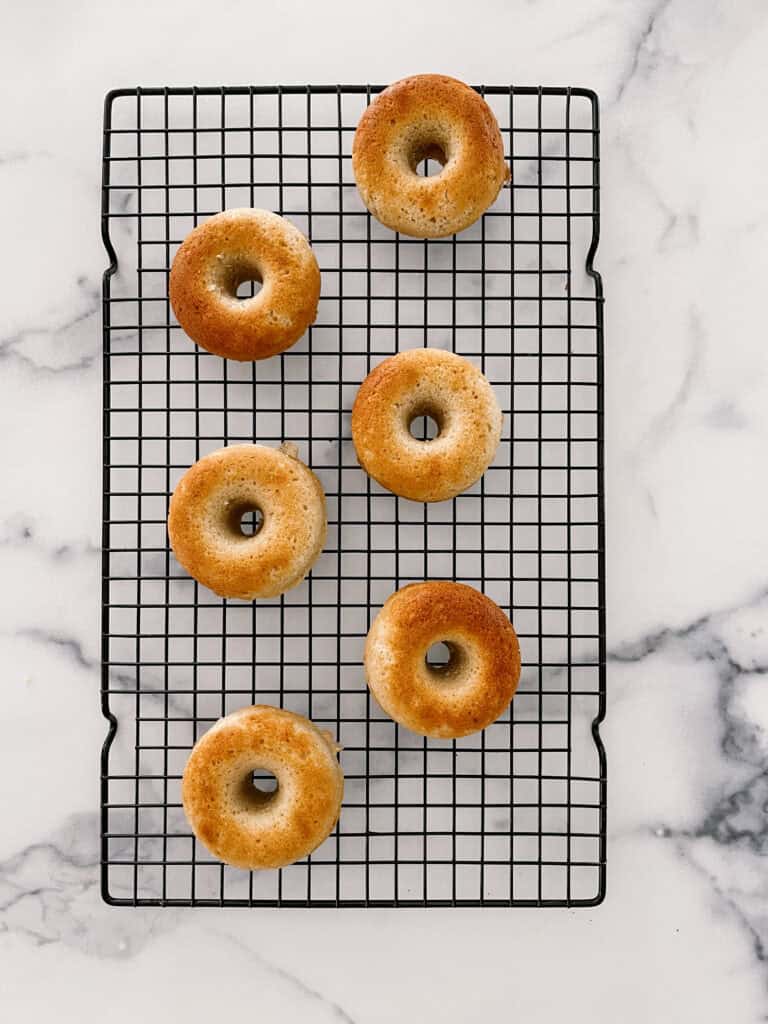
column 243, row 825
column 445, row 387
column 436, row 118
column 218, row 256
column 210, row 501
column 472, row 689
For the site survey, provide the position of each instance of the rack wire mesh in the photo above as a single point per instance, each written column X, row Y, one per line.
column 512, row 816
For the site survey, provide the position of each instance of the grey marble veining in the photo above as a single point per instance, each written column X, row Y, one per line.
column 684, row 931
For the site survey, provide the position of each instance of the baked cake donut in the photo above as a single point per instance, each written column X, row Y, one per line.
column 210, row 501
column 477, row 683
column 243, row 825
column 445, row 387
column 437, row 118
column 223, row 252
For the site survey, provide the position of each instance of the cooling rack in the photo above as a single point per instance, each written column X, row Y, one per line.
column 514, row 815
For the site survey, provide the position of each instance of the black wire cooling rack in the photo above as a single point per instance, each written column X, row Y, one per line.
column 512, row 816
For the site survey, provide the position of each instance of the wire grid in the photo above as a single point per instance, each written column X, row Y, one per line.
column 514, row 815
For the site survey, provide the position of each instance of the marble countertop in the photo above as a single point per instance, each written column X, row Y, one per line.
column 683, row 932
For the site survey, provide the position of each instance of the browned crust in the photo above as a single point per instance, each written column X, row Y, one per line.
column 279, row 557
column 425, row 107
column 433, row 381
column 265, row 244
column 423, row 614
column 297, row 752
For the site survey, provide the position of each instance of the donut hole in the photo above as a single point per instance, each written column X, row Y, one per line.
column 425, row 422
column 427, row 159
column 248, row 288
column 438, row 656
column 251, row 522
column 260, row 787
column 246, row 519
column 445, row 660
column 241, row 279
column 424, row 428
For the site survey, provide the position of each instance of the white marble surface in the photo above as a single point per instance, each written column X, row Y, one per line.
column 685, row 233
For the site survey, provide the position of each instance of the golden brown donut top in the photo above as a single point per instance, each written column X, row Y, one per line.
column 435, row 117
column 233, row 819
column 450, row 390
column 480, row 679
column 209, row 501
column 236, row 246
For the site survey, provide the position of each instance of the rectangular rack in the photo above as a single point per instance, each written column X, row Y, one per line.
column 514, row 815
